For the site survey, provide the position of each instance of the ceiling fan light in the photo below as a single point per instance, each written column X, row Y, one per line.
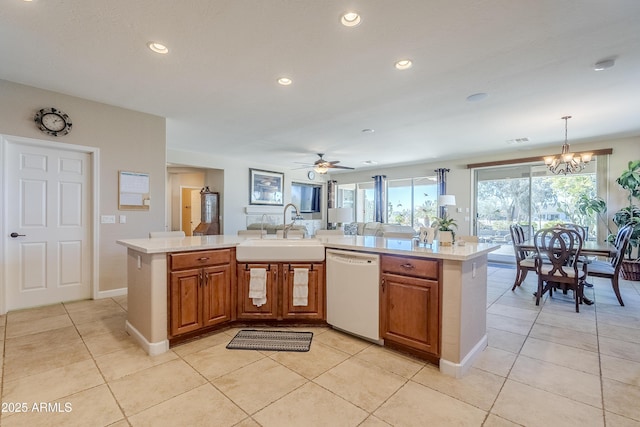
column 322, row 169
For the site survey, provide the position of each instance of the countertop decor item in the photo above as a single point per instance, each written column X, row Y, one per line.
column 53, row 122
column 445, row 226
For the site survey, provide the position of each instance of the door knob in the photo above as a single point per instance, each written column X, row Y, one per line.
column 14, row 235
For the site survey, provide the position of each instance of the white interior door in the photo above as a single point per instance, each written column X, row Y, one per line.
column 48, row 218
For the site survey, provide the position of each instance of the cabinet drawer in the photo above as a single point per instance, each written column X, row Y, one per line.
column 178, row 261
column 410, row 266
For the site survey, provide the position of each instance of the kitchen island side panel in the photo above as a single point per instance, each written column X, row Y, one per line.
column 147, row 296
column 464, row 308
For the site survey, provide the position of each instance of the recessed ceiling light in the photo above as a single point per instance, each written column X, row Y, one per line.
column 403, row 64
column 367, row 130
column 285, row 81
column 480, row 96
column 604, row 65
column 350, row 19
column 158, row 47
column 370, row 162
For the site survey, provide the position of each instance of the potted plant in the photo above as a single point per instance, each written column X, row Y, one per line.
column 593, row 207
column 445, row 225
column 629, row 180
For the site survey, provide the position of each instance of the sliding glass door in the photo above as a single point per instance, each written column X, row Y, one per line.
column 531, row 196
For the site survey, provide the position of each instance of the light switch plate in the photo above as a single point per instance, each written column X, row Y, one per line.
column 123, row 219
column 108, row 219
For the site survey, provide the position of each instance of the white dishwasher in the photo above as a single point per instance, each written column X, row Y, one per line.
column 353, row 293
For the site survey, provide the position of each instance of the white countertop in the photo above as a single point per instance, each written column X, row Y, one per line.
column 372, row 244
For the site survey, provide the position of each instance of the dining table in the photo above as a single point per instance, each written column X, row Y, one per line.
column 589, row 248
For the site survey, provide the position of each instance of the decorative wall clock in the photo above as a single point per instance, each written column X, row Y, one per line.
column 53, row 122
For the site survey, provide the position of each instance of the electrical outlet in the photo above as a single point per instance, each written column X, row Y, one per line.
column 473, row 270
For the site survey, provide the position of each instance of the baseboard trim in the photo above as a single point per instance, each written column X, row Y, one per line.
column 152, row 348
column 458, row 370
column 111, row 293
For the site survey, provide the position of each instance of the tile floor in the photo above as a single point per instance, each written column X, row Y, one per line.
column 544, row 366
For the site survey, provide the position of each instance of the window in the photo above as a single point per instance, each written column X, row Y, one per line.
column 364, row 202
column 531, row 196
column 410, row 201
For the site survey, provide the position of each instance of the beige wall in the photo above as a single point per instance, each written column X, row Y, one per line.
column 127, row 140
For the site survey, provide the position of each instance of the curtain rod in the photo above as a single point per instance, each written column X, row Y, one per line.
column 600, row 152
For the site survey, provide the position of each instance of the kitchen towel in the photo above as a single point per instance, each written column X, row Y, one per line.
column 258, row 286
column 300, row 286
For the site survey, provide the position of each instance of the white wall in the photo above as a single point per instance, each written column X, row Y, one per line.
column 460, row 179
column 127, row 140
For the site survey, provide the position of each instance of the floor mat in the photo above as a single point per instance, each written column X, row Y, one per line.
column 254, row 339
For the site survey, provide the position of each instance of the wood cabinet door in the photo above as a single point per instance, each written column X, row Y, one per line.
column 216, row 295
column 409, row 312
column 246, row 308
column 184, row 301
column 315, row 308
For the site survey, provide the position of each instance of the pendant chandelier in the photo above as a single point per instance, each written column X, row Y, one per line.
column 567, row 162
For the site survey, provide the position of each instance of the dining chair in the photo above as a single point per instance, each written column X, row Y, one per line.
column 524, row 260
column 556, row 248
column 583, row 233
column 611, row 269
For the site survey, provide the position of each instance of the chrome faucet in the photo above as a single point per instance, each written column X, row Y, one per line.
column 262, row 218
column 286, row 228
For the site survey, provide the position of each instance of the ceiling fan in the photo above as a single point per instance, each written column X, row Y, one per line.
column 322, row 166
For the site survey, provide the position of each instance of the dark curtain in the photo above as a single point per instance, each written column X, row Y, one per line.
column 379, row 198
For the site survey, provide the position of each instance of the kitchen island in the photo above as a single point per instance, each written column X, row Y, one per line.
column 462, row 280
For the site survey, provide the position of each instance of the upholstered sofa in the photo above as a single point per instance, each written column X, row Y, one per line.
column 377, row 229
column 273, row 228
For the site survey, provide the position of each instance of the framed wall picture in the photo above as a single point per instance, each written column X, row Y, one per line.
column 133, row 191
column 265, row 187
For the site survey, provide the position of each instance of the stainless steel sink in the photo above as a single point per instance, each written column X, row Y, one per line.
column 280, row 250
